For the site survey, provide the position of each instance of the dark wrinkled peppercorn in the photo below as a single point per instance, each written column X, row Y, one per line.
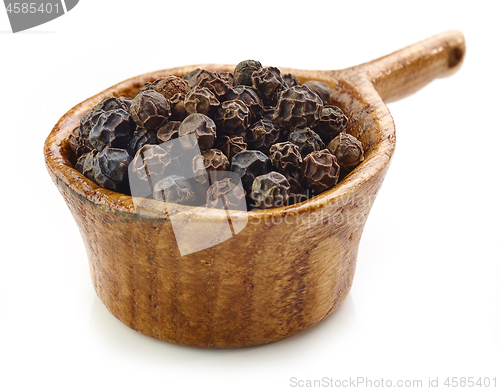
column 298, row 107
column 150, row 163
column 149, row 109
column 228, row 77
column 200, row 100
column 170, row 85
column 189, row 75
column 182, row 160
column 126, row 101
column 168, row 131
column 297, row 192
column 269, row 82
column 210, row 80
column 201, row 127
column 307, row 140
column 107, row 104
column 262, row 135
column 267, row 112
column 291, row 80
column 285, row 157
column 111, row 168
column 174, row 188
column 85, row 164
column 88, row 122
column 140, row 138
column 232, row 117
column 320, row 170
column 332, row 121
column 80, row 161
column 321, row 89
column 231, row 145
column 243, row 72
column 206, row 163
column 78, row 144
column 113, row 129
column 145, row 87
column 249, row 96
column 110, row 103
column 348, row 150
column 226, row 194
column 249, row 164
column 178, row 111
column 270, row 190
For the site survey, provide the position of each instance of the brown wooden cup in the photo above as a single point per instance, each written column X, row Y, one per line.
column 289, row 267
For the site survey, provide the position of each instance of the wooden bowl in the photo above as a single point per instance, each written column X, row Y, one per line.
column 289, row 267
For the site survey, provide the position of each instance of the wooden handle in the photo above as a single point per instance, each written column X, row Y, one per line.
column 403, row 72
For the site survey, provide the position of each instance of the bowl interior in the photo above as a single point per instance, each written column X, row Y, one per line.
column 369, row 120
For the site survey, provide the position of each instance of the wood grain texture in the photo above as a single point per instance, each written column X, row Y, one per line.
column 288, row 268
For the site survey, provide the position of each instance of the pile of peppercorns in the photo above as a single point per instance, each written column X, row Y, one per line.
column 191, row 140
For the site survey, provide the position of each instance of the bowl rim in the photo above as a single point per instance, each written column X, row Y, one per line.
column 56, row 151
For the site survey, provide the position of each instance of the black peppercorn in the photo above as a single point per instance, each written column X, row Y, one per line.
column 149, row 109
column 207, row 163
column 174, row 188
column 200, row 130
column 182, row 160
column 307, row 140
column 78, row 144
column 200, row 100
column 113, row 129
column 243, row 72
column 226, row 194
column 230, row 146
column 150, row 163
column 321, row 89
column 232, row 117
column 189, row 75
column 111, row 168
column 249, row 164
column 249, row 96
column 211, row 80
column 262, row 135
column 228, row 77
column 298, row 107
column 140, row 138
column 110, row 103
column 269, row 83
column 170, row 85
column 332, row 122
column 79, row 162
column 145, row 87
column 178, row 111
column 285, row 157
column 168, row 131
column 85, row 164
column 88, row 122
column 320, row 170
column 267, row 112
column 348, row 150
column 291, row 80
column 297, row 192
column 126, row 101
column 270, row 190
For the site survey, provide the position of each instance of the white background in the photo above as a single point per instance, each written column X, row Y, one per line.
column 425, row 299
